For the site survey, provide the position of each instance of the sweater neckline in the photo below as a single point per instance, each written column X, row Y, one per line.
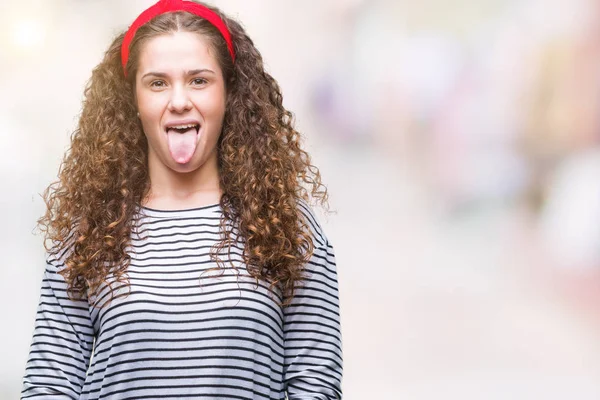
column 178, row 213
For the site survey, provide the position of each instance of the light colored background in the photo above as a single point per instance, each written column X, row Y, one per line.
column 460, row 144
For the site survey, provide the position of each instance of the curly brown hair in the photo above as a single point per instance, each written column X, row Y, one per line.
column 103, row 178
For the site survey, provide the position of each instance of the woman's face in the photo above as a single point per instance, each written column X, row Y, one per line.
column 180, row 95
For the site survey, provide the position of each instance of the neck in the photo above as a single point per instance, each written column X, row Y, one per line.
column 172, row 189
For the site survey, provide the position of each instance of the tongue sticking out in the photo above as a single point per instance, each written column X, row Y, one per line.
column 182, row 144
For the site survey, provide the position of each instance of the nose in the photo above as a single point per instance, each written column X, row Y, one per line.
column 180, row 100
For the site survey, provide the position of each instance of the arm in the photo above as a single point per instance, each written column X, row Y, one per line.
column 62, row 342
column 313, row 347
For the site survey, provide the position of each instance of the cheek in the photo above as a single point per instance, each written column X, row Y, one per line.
column 212, row 104
column 150, row 122
column 150, row 114
column 149, row 102
column 145, row 106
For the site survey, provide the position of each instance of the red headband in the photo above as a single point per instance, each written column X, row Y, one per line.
column 166, row 6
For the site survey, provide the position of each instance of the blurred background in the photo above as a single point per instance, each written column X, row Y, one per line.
column 460, row 142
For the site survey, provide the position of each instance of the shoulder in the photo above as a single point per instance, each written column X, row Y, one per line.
column 309, row 216
column 321, row 269
column 58, row 253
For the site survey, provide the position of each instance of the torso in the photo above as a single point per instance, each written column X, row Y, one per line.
column 206, row 327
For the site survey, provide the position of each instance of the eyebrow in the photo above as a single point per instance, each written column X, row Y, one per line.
column 188, row 73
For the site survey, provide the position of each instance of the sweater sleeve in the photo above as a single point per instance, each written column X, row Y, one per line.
column 62, row 342
column 312, row 334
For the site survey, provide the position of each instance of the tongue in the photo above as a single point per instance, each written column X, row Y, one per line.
column 182, row 144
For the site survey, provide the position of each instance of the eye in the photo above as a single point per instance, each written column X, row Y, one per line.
column 157, row 84
column 199, row 81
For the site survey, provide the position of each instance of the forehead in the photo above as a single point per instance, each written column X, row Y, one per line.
column 177, row 51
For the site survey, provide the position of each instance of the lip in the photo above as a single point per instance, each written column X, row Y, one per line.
column 187, row 121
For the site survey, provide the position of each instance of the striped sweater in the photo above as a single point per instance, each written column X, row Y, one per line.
column 186, row 330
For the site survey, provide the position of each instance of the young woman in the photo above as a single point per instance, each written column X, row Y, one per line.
column 183, row 254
